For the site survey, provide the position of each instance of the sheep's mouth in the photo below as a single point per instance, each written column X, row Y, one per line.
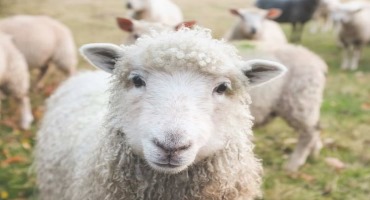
column 168, row 165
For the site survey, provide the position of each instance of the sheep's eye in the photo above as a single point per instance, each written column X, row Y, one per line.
column 136, row 36
column 138, row 82
column 221, row 89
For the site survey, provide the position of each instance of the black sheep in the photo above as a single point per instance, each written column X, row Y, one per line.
column 297, row 12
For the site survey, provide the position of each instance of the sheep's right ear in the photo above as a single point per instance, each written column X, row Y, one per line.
column 236, row 12
column 125, row 24
column 102, row 55
column 262, row 71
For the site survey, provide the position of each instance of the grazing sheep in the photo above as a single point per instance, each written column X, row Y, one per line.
column 254, row 24
column 296, row 96
column 43, row 41
column 162, row 11
column 322, row 16
column 354, row 31
column 138, row 28
column 296, row 12
column 176, row 124
column 14, row 78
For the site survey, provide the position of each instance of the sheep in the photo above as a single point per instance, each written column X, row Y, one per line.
column 138, row 28
column 254, row 24
column 296, row 96
column 43, row 41
column 175, row 124
column 14, row 78
column 322, row 15
column 296, row 12
column 354, row 32
column 162, row 11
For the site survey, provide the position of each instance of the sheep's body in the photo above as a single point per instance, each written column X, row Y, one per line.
column 43, row 41
column 162, row 11
column 296, row 97
column 296, row 12
column 78, row 156
column 263, row 29
column 354, row 30
column 14, row 78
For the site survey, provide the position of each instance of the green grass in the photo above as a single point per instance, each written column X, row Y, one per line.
column 345, row 111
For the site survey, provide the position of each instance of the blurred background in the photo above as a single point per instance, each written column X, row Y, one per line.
column 345, row 112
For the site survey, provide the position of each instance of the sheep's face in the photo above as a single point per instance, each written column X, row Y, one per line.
column 251, row 20
column 137, row 5
column 174, row 122
column 344, row 14
column 177, row 107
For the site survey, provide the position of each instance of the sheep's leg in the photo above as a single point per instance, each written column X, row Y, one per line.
column 41, row 77
column 355, row 57
column 294, row 30
column 308, row 142
column 346, row 56
column 26, row 113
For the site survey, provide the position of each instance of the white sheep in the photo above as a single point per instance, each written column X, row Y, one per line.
column 296, row 96
column 138, row 28
column 322, row 16
column 14, row 78
column 354, row 31
column 162, row 11
column 255, row 24
column 175, row 124
column 43, row 41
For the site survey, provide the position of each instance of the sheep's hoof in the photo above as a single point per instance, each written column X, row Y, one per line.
column 25, row 124
column 291, row 167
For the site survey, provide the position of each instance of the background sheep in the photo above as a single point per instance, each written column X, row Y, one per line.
column 296, row 96
column 138, row 28
column 322, row 16
column 43, row 41
column 254, row 24
column 354, row 30
column 296, row 12
column 14, row 78
column 146, row 148
column 162, row 11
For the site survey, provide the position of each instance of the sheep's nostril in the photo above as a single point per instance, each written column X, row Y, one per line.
column 171, row 149
column 253, row 30
column 128, row 6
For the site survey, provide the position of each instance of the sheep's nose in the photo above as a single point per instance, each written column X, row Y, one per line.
column 128, row 6
column 253, row 30
column 172, row 149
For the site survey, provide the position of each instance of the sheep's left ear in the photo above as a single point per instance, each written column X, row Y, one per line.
column 187, row 24
column 262, row 71
column 273, row 13
column 102, row 55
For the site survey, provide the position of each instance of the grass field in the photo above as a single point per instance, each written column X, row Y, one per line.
column 345, row 112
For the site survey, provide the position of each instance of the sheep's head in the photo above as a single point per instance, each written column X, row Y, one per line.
column 252, row 19
column 344, row 13
column 179, row 96
column 138, row 28
column 137, row 5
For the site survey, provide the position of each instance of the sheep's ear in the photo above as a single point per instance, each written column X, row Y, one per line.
column 187, row 24
column 236, row 12
column 273, row 13
column 125, row 24
column 102, row 55
column 262, row 71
